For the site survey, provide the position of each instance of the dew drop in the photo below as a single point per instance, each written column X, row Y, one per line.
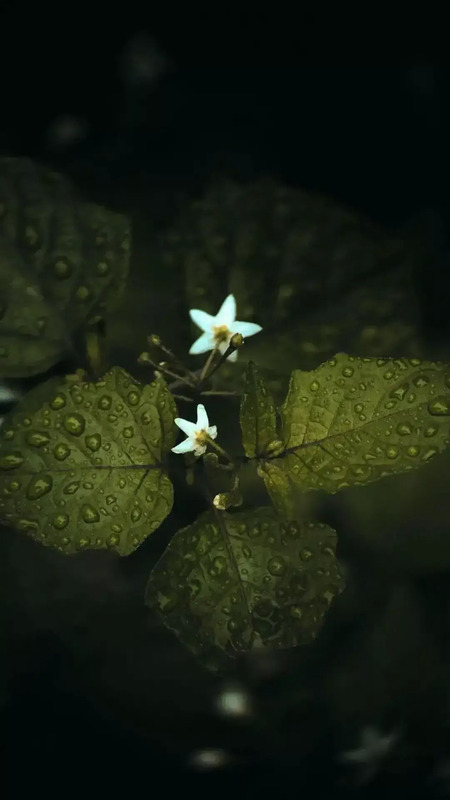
column 93, row 442
column 439, row 407
column 392, row 452
column 60, row 521
column 430, row 431
column 359, row 407
column 430, row 454
column 61, row 451
column 74, row 424
column 128, row 432
column 59, row 401
column 104, row 402
column 276, row 566
column 62, row 269
column 11, row 460
column 82, row 293
column 133, row 398
column 71, row 487
column 314, row 386
column 136, row 514
column 348, row 372
column 37, row 438
column 413, row 451
column 306, row 554
column 399, row 391
column 90, row 514
column 404, row 429
column 38, row 487
column 421, row 380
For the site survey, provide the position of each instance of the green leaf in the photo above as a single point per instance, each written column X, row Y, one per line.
column 279, row 487
column 257, row 414
column 63, row 263
column 233, row 582
column 82, row 468
column 355, row 420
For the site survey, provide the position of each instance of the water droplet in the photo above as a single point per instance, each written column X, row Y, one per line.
column 404, row 428
column 37, row 438
column 93, row 442
column 415, row 362
column 219, row 566
column 74, row 424
column 413, row 451
column 359, row 407
column 90, row 514
column 82, row 293
column 348, row 372
column 104, row 402
column 102, row 268
column 88, row 485
column 39, row 486
column 439, row 407
column 399, row 391
column 430, row 431
column 62, row 269
column 390, row 404
column 254, row 532
column 11, row 460
column 61, row 451
column 133, row 398
column 421, row 380
column 276, row 566
column 60, row 521
column 116, row 528
column 28, row 525
column 296, row 612
column 59, row 401
column 136, row 514
column 72, row 487
column 392, row 452
column 112, row 418
column 388, row 375
column 83, row 543
column 430, row 454
column 128, row 432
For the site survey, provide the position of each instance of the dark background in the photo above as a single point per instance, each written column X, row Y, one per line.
column 156, row 105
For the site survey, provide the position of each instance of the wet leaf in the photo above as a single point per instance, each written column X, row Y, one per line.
column 233, row 582
column 279, row 487
column 81, row 469
column 257, row 414
column 63, row 264
column 355, row 420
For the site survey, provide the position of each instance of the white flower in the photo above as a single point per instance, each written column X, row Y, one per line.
column 197, row 433
column 218, row 330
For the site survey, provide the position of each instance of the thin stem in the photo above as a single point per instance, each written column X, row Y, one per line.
column 204, row 373
column 220, row 450
column 221, row 394
column 183, row 397
column 230, row 349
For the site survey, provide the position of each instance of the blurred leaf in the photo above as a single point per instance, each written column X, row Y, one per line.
column 355, row 420
column 257, row 414
column 82, row 468
column 233, row 582
column 318, row 276
column 63, row 264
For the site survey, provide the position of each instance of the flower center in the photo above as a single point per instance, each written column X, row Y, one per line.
column 201, row 437
column 221, row 333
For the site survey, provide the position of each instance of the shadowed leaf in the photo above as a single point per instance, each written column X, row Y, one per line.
column 233, row 582
column 82, row 468
column 257, row 414
column 63, row 263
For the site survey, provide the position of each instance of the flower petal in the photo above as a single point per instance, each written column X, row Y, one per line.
column 184, row 447
column 202, row 319
column 227, row 312
column 213, row 431
column 187, row 427
column 200, row 449
column 233, row 356
column 245, row 328
column 204, row 343
column 202, row 418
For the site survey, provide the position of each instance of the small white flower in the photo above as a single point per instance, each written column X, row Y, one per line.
column 218, row 330
column 197, row 433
